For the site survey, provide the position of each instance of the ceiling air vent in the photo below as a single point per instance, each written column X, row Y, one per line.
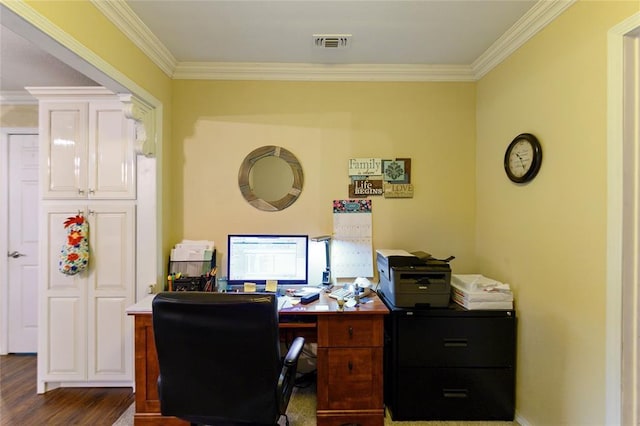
column 331, row 41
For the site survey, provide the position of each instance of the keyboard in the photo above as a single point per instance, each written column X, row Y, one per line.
column 340, row 293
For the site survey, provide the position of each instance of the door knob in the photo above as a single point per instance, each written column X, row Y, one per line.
column 15, row 254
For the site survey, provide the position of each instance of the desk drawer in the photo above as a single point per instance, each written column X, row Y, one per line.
column 453, row 394
column 456, row 342
column 353, row 378
column 350, row 331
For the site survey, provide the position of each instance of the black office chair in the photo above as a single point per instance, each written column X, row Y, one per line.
column 219, row 358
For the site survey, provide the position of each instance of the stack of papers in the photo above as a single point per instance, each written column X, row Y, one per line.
column 473, row 291
column 192, row 258
column 192, row 250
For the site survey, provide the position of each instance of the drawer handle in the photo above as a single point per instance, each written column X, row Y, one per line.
column 350, row 365
column 455, row 343
column 455, row 393
column 350, row 331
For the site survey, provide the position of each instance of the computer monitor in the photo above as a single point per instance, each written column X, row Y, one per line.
column 258, row 258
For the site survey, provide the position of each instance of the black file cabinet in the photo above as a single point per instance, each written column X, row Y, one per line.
column 449, row 364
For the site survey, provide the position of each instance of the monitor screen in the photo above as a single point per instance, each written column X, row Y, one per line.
column 258, row 258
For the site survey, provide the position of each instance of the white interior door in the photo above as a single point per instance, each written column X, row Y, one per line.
column 22, row 286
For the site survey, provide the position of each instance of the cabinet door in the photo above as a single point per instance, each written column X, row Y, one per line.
column 85, row 334
column 63, row 149
column 62, row 324
column 111, row 165
column 110, row 290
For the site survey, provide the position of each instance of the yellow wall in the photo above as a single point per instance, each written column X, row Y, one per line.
column 19, row 116
column 548, row 238
column 216, row 124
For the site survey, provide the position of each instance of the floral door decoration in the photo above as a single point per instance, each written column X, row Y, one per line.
column 74, row 256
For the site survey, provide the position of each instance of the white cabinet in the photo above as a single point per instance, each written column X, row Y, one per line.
column 86, row 339
column 88, row 165
column 87, row 146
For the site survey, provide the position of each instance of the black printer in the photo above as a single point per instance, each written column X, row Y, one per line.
column 414, row 280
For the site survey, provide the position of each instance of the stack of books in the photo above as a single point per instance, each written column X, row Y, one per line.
column 474, row 291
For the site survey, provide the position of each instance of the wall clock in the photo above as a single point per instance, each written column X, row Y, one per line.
column 523, row 158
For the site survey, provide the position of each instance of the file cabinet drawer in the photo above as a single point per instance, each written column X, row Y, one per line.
column 350, row 331
column 456, row 342
column 454, row 394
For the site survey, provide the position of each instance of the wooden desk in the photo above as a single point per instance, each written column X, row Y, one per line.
column 349, row 363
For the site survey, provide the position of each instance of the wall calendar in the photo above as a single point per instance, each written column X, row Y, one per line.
column 351, row 246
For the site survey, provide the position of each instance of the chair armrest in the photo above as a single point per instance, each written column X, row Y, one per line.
column 294, row 352
column 287, row 378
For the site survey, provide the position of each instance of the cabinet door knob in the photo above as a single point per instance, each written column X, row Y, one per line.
column 92, row 191
column 350, row 331
column 80, row 191
column 350, row 365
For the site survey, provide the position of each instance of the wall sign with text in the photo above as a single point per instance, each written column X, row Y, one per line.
column 377, row 176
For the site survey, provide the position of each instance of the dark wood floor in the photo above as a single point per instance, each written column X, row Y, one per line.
column 21, row 405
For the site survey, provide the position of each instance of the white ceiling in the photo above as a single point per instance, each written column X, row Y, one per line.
column 383, row 32
column 198, row 39
column 24, row 64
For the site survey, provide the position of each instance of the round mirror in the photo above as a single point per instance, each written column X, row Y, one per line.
column 270, row 178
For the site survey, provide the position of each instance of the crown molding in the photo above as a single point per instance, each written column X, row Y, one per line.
column 321, row 72
column 17, row 97
column 538, row 17
column 123, row 17
column 71, row 93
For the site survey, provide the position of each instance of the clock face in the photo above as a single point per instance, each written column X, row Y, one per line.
column 520, row 158
column 523, row 158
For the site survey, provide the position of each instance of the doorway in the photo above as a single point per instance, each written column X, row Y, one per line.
column 20, row 277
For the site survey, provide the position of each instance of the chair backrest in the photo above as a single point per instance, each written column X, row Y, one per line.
column 218, row 355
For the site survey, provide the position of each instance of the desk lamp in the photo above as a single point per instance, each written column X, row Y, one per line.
column 326, row 274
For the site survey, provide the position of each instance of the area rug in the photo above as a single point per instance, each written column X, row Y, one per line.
column 302, row 412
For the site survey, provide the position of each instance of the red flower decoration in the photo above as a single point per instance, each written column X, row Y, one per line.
column 78, row 220
column 74, row 238
column 72, row 256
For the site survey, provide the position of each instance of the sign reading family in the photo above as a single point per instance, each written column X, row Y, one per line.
column 377, row 176
column 365, row 167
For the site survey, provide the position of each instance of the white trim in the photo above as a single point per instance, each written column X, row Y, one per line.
column 70, row 93
column 622, row 231
column 319, row 72
column 4, row 229
column 123, row 17
column 16, row 98
column 538, row 17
